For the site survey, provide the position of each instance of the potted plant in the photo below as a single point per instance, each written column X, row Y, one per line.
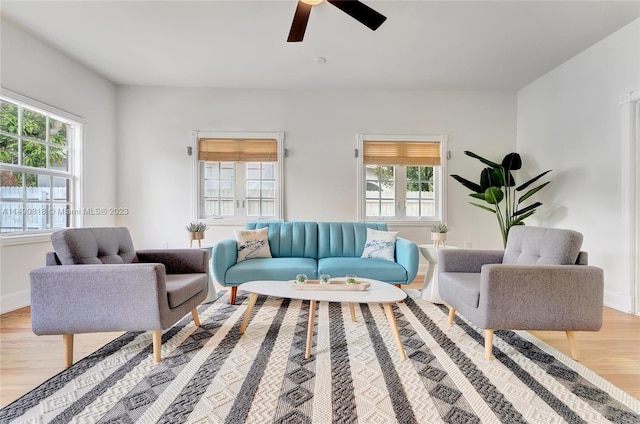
column 439, row 234
column 196, row 231
column 497, row 183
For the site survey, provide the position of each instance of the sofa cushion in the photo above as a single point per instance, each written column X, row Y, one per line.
column 108, row 245
column 463, row 286
column 378, row 269
column 252, row 244
column 380, row 245
column 270, row 269
column 290, row 239
column 182, row 287
column 344, row 239
column 542, row 246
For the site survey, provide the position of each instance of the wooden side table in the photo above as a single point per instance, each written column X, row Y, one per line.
column 429, row 290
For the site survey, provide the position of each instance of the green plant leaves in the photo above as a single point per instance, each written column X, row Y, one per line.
column 512, row 162
column 497, row 184
column 532, row 180
column 481, row 159
column 468, row 184
column 527, row 209
column 491, row 177
column 493, row 195
column 532, row 192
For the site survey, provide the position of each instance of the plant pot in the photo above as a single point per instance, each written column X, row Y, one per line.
column 439, row 239
column 196, row 236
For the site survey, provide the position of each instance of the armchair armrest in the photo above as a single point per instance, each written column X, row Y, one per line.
column 70, row 299
column 177, row 261
column 407, row 255
column 467, row 260
column 560, row 297
column 225, row 255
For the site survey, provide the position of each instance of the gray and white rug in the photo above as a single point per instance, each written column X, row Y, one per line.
column 211, row 374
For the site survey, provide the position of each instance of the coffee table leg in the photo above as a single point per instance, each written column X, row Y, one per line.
column 353, row 312
column 247, row 313
column 394, row 329
column 312, row 314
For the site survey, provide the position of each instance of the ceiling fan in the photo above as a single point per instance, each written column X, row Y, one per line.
column 354, row 8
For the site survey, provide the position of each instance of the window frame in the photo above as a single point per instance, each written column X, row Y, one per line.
column 439, row 176
column 75, row 144
column 197, row 201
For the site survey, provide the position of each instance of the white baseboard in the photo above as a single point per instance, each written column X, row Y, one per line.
column 619, row 302
column 14, row 301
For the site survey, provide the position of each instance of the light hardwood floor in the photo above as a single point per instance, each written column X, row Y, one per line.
column 27, row 360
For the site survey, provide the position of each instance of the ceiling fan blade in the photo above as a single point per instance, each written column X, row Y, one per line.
column 360, row 12
column 299, row 24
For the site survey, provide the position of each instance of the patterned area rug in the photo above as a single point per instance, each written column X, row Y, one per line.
column 211, row 374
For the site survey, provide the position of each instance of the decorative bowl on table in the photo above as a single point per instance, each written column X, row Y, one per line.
column 351, row 279
column 302, row 279
column 324, row 279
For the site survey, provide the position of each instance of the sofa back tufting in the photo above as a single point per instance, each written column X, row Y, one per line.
column 107, row 245
column 542, row 246
column 344, row 239
column 290, row 239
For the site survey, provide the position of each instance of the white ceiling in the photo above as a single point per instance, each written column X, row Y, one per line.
column 437, row 45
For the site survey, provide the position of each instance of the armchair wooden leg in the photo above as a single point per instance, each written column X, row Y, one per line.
column 575, row 353
column 232, row 296
column 488, row 344
column 67, row 339
column 196, row 319
column 157, row 346
column 452, row 315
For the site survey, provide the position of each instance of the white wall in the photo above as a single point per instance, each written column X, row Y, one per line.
column 33, row 69
column 570, row 120
column 155, row 127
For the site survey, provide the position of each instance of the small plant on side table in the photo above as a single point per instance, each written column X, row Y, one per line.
column 439, row 234
column 196, row 230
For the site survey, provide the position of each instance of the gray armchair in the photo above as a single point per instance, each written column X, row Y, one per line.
column 541, row 281
column 96, row 281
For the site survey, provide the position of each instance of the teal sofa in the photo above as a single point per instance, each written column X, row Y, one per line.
column 314, row 248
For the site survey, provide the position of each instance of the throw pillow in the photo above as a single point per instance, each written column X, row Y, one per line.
column 380, row 245
column 253, row 244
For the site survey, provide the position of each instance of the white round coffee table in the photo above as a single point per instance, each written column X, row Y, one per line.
column 429, row 290
column 378, row 292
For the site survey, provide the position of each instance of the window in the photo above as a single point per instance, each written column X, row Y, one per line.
column 239, row 176
column 39, row 160
column 401, row 178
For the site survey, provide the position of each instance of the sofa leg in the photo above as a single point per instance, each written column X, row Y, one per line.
column 452, row 315
column 196, row 318
column 488, row 344
column 67, row 339
column 232, row 295
column 575, row 353
column 157, row 346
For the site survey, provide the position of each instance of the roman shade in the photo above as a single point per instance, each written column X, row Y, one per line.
column 403, row 153
column 237, row 150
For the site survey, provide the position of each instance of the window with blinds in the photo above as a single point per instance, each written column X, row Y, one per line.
column 239, row 150
column 403, row 153
column 239, row 177
column 401, row 179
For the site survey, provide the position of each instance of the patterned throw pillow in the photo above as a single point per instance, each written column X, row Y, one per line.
column 380, row 245
column 253, row 244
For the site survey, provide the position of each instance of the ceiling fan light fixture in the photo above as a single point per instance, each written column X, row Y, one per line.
column 312, row 2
